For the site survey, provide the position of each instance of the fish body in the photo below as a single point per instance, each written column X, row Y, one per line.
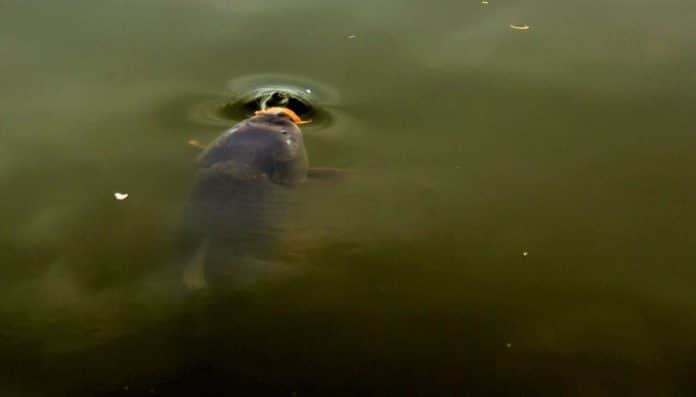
column 242, row 191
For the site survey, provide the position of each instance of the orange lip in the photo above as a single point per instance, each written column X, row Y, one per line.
column 276, row 109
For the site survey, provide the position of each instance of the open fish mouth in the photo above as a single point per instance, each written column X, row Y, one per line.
column 246, row 95
column 263, row 98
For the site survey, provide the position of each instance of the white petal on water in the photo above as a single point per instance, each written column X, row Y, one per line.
column 121, row 196
column 352, row 36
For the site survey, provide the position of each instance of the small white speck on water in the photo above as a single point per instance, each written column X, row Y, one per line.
column 352, row 36
column 525, row 253
column 484, row 2
column 120, row 196
column 508, row 345
column 307, row 90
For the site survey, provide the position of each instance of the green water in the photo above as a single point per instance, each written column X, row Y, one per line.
column 519, row 218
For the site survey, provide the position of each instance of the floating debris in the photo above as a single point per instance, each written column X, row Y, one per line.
column 484, row 2
column 195, row 144
column 352, row 36
column 519, row 27
column 508, row 345
column 120, row 196
column 307, row 90
column 525, row 253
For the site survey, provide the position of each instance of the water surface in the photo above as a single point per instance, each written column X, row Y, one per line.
column 519, row 219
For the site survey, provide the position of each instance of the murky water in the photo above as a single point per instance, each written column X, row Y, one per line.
column 518, row 220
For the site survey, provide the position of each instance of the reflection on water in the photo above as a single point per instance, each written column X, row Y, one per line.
column 470, row 143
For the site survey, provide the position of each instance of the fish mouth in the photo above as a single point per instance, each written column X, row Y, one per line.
column 278, row 110
column 266, row 98
column 244, row 96
column 306, row 99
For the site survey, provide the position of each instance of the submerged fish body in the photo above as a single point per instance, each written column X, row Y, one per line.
column 241, row 193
